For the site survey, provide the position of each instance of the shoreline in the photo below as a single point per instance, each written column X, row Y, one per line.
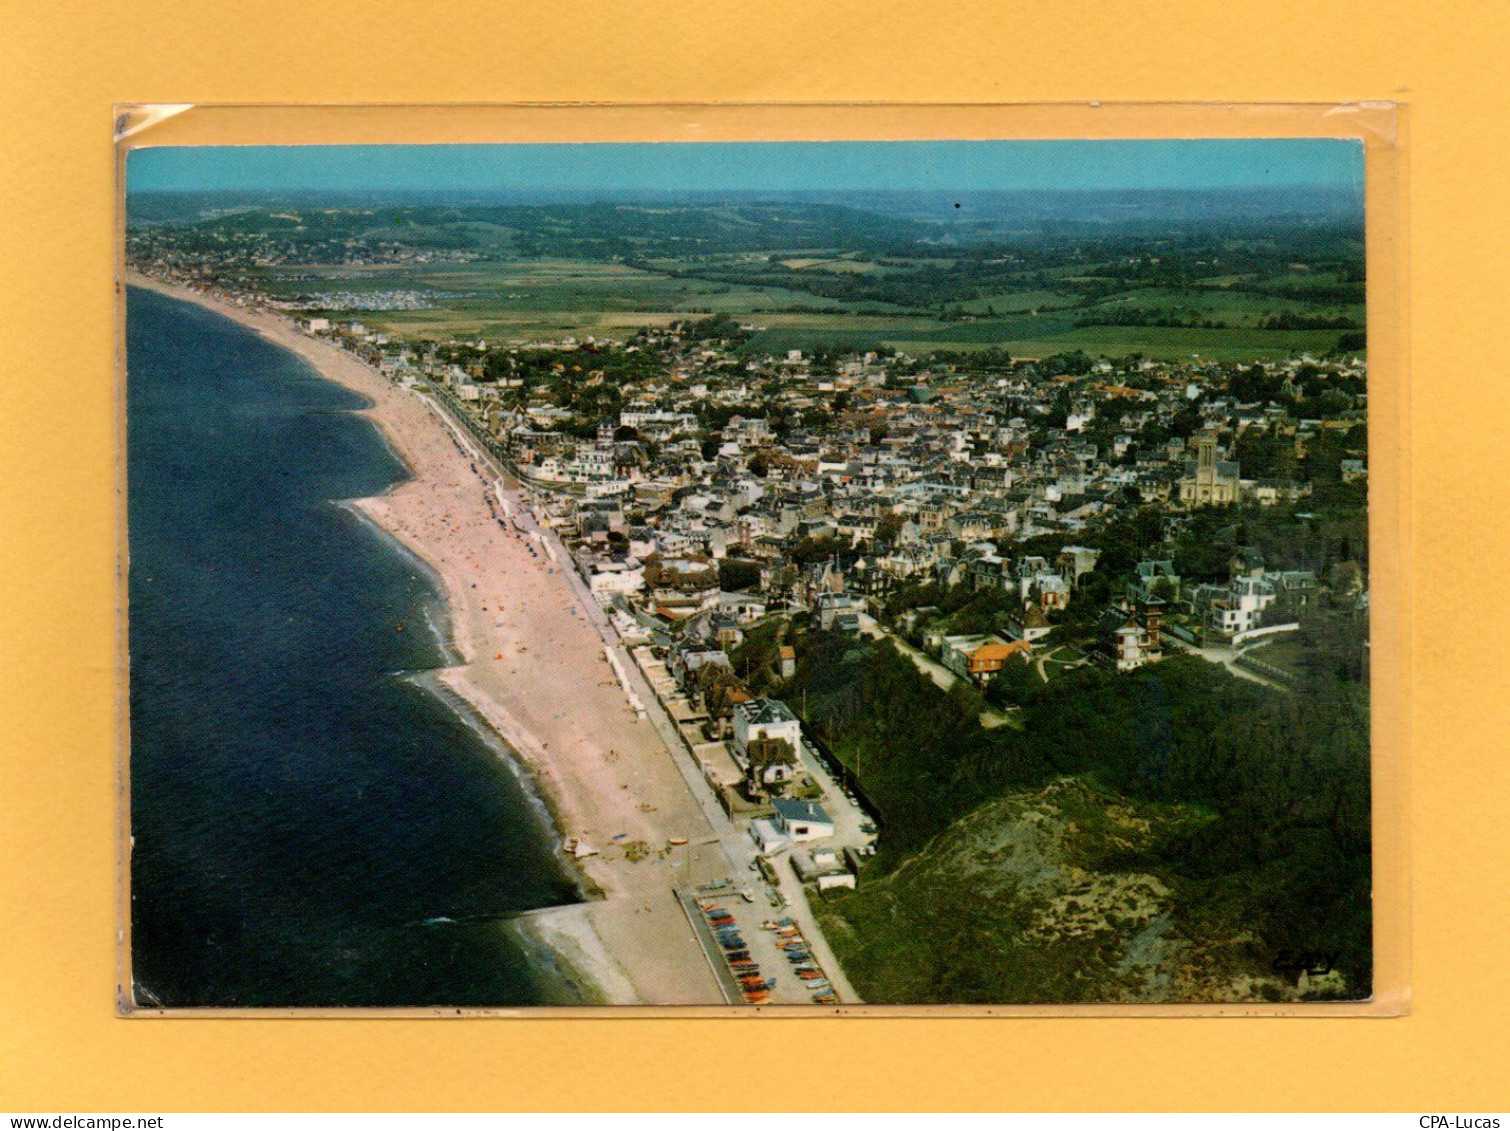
column 519, row 646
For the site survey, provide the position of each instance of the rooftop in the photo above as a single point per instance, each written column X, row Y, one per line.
column 789, row 810
column 759, row 712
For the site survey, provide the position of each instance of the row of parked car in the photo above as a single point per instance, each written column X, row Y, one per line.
column 736, row 953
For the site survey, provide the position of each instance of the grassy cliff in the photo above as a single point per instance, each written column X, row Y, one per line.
column 1174, row 834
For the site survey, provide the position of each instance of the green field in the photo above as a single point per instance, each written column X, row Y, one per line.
column 1020, row 302
column 552, row 298
column 549, row 298
column 1052, row 337
column 1233, row 307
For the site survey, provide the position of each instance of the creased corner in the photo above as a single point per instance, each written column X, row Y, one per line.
column 134, row 119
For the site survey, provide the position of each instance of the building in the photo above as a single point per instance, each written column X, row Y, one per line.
column 771, row 767
column 726, row 631
column 955, row 651
column 802, row 820
column 1076, row 561
column 1245, row 562
column 1029, row 625
column 989, row 659
column 764, row 719
column 1053, row 591
column 746, row 608
column 1210, row 481
column 614, row 576
column 979, row 657
column 767, row 837
column 839, row 613
column 1136, row 642
column 823, row 867
column 1154, row 581
column 788, row 661
column 1241, row 608
column 689, row 655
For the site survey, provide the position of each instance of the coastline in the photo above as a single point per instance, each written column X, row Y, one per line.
column 530, row 665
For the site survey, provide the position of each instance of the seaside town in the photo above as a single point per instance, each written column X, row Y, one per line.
column 892, row 616
column 721, row 499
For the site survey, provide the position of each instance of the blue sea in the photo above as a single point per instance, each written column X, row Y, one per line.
column 312, row 826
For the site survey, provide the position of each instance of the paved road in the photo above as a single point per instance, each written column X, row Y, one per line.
column 1227, row 658
column 941, row 676
column 930, row 667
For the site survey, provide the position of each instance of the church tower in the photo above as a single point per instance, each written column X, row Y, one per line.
column 1205, row 468
column 1210, row 484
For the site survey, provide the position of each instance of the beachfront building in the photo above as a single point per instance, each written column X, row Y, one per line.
column 824, row 868
column 764, row 719
column 771, row 767
column 802, row 820
column 690, row 657
column 610, row 576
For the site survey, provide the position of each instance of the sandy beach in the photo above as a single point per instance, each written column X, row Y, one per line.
column 533, row 665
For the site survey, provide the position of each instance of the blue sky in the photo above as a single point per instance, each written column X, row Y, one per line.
column 761, row 166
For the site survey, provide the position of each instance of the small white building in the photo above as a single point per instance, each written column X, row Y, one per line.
column 616, row 577
column 823, row 868
column 802, row 820
column 767, row 837
column 1030, row 624
column 1137, row 641
column 1241, row 611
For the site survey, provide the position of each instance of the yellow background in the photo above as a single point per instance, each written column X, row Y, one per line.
column 64, row 64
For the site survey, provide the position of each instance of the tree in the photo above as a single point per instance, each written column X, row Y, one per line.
column 1016, row 683
column 1254, row 384
column 889, row 529
column 735, row 575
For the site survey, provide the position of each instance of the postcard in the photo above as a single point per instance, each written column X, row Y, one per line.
column 748, row 574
